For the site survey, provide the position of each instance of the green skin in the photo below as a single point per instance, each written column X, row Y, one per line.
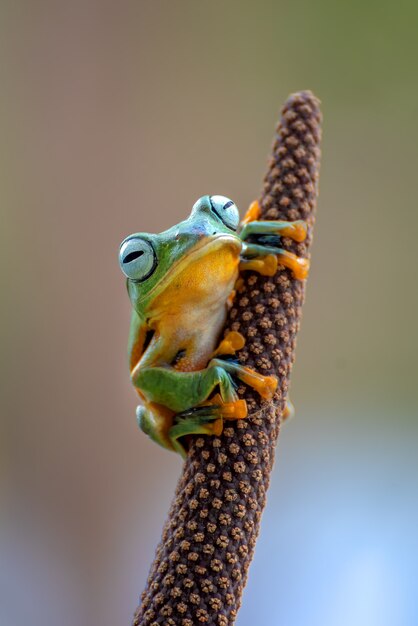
column 179, row 283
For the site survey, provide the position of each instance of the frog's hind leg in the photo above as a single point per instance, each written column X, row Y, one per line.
column 193, row 424
column 178, row 391
column 264, row 385
column 205, row 419
column 155, row 421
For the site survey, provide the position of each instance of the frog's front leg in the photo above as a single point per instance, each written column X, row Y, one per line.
column 252, row 225
column 296, row 230
column 264, row 259
column 261, row 256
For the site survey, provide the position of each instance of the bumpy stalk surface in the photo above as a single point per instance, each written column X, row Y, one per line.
column 201, row 564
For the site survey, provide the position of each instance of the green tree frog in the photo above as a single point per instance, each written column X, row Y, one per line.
column 181, row 283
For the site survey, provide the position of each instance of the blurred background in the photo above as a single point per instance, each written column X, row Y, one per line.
column 115, row 117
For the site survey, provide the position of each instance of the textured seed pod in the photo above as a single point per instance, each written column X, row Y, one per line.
column 201, row 564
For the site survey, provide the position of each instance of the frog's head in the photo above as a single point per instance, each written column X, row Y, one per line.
column 149, row 261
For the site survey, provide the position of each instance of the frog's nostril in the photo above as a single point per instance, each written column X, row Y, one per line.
column 132, row 256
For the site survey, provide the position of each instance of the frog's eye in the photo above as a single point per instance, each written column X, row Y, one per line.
column 137, row 258
column 226, row 210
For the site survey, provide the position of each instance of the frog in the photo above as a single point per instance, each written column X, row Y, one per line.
column 181, row 284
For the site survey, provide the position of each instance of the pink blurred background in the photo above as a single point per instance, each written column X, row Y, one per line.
column 116, row 117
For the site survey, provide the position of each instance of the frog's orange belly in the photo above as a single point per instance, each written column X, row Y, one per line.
column 190, row 313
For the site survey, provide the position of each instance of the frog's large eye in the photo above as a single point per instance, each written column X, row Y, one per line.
column 226, row 210
column 137, row 258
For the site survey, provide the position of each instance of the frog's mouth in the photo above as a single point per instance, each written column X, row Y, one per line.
column 198, row 251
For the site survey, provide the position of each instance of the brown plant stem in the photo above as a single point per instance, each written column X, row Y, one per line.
column 201, row 564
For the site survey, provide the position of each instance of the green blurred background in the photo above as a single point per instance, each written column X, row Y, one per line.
column 116, row 117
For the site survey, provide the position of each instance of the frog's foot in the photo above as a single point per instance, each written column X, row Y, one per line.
column 213, row 409
column 205, row 419
column 253, row 213
column 236, row 410
column 298, row 265
column 193, row 422
column 232, row 342
column 253, row 252
column 264, row 265
column 264, row 385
